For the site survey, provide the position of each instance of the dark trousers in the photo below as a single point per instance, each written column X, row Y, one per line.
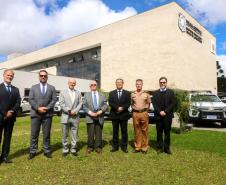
column 36, row 124
column 94, row 132
column 124, row 133
column 163, row 125
column 7, row 127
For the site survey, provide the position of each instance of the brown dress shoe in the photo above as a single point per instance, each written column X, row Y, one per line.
column 98, row 150
column 88, row 151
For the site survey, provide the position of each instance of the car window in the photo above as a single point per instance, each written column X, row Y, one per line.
column 204, row 98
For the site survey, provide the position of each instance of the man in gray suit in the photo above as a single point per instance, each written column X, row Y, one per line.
column 95, row 104
column 70, row 102
column 42, row 98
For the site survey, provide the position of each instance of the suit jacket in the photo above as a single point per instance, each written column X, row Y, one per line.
column 124, row 102
column 170, row 102
column 88, row 106
column 36, row 99
column 66, row 104
column 9, row 101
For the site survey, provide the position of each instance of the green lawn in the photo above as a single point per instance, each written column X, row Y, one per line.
column 199, row 157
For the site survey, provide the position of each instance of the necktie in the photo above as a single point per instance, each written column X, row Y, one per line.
column 43, row 90
column 8, row 88
column 119, row 94
column 95, row 101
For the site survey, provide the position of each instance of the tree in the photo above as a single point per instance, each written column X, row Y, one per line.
column 221, row 80
column 220, row 71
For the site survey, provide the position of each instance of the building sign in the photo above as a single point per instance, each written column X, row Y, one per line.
column 189, row 28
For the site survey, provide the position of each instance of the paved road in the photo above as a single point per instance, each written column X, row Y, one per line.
column 202, row 126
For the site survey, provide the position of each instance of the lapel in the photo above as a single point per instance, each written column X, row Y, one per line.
column 39, row 89
column 90, row 99
column 100, row 99
column 167, row 95
column 47, row 89
column 3, row 88
column 6, row 92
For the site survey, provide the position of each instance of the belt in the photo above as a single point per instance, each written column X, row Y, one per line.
column 142, row 110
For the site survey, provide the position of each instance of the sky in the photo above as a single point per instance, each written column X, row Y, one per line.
column 28, row 25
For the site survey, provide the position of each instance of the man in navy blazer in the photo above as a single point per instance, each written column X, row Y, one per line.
column 9, row 105
column 164, row 102
column 119, row 101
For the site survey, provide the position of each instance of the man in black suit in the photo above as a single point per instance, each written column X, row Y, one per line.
column 164, row 102
column 9, row 105
column 119, row 101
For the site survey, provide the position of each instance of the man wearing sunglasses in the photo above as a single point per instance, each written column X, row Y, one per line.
column 42, row 98
column 95, row 104
column 164, row 102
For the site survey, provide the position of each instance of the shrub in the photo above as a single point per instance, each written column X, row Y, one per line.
column 182, row 107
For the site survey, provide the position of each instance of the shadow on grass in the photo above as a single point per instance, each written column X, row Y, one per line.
column 55, row 147
column 175, row 130
column 25, row 151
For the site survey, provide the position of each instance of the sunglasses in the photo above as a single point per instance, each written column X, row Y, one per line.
column 93, row 84
column 162, row 82
column 43, row 75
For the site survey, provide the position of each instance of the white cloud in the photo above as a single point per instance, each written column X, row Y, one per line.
column 25, row 27
column 222, row 62
column 209, row 12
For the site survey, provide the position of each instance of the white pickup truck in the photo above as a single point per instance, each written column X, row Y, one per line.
column 207, row 107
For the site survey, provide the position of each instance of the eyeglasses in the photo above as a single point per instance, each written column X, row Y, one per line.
column 93, row 84
column 43, row 75
column 162, row 82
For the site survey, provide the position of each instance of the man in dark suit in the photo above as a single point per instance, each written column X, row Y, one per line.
column 95, row 104
column 42, row 98
column 119, row 101
column 164, row 102
column 9, row 105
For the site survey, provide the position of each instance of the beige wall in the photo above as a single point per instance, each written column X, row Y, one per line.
column 145, row 46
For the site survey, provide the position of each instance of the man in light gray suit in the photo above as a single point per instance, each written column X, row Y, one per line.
column 42, row 98
column 95, row 104
column 70, row 102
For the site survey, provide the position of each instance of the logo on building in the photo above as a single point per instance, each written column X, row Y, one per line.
column 182, row 22
column 189, row 28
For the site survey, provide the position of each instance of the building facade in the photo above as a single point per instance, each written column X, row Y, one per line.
column 165, row 41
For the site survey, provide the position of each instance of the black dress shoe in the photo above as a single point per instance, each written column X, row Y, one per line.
column 5, row 160
column 31, row 156
column 168, row 151
column 159, row 151
column 48, row 155
column 99, row 150
column 136, row 151
column 64, row 154
column 144, row 152
column 114, row 150
column 125, row 150
column 74, row 154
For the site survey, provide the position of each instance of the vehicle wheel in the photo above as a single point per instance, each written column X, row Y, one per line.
column 223, row 124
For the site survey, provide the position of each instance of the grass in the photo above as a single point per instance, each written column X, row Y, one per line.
column 199, row 157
